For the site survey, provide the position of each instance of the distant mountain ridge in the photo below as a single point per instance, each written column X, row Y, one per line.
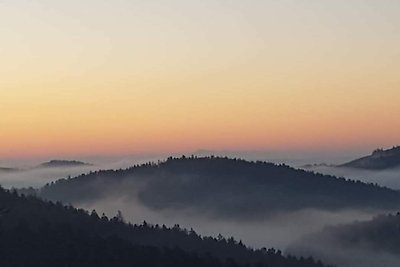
column 379, row 159
column 224, row 187
column 317, row 165
column 8, row 169
column 63, row 163
column 55, row 163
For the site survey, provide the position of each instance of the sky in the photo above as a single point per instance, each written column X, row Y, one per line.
column 119, row 77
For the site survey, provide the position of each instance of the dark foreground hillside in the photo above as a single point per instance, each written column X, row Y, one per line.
column 38, row 233
column 224, row 187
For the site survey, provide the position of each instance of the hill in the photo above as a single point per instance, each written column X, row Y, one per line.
column 379, row 159
column 38, row 233
column 224, row 187
column 63, row 163
column 8, row 169
column 375, row 242
column 382, row 233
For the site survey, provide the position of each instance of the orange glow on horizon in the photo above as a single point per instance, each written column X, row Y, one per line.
column 128, row 79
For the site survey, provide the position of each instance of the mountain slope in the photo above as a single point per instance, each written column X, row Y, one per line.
column 224, row 187
column 371, row 243
column 382, row 233
column 378, row 160
column 37, row 233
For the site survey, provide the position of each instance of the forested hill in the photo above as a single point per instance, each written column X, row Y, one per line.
column 379, row 159
column 224, row 187
column 381, row 234
column 372, row 243
column 37, row 233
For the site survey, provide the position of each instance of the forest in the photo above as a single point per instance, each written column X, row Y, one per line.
column 52, row 234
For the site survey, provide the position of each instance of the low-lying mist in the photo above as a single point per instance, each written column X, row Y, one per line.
column 345, row 257
column 29, row 173
column 278, row 231
column 368, row 243
column 389, row 178
column 37, row 177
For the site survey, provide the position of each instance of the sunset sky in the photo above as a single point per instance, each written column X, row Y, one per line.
column 118, row 77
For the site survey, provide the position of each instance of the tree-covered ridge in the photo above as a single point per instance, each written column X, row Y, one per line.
column 39, row 233
column 379, row 159
column 225, row 187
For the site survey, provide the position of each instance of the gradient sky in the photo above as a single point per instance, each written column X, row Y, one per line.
column 118, row 77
